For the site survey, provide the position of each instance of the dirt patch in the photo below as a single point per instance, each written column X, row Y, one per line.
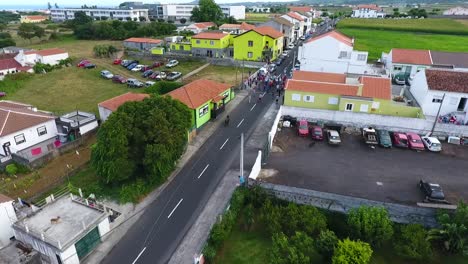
column 267, row 173
column 455, row 150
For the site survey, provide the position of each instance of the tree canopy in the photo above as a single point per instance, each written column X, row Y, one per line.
column 352, row 252
column 29, row 31
column 370, row 224
column 206, row 11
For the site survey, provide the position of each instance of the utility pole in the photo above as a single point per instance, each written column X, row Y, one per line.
column 242, row 80
column 437, row 116
column 241, row 174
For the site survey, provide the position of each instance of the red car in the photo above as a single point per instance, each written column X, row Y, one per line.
column 316, row 132
column 82, row 63
column 400, row 140
column 146, row 68
column 119, row 79
column 158, row 64
column 414, row 141
column 117, row 61
column 303, row 128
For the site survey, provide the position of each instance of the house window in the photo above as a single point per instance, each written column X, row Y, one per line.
column 375, row 105
column 203, row 111
column 197, row 41
column 361, row 57
column 349, row 107
column 266, row 43
column 309, row 98
column 249, row 54
column 250, row 43
column 364, row 108
column 437, row 99
column 211, row 42
column 276, row 42
column 181, row 47
column 333, row 100
column 41, row 130
column 296, row 97
column 19, row 139
column 343, row 54
column 397, row 68
column 173, row 47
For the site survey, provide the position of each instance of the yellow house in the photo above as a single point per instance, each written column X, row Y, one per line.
column 210, row 44
column 33, row 19
column 259, row 44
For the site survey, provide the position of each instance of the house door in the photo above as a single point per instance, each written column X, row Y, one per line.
column 462, row 104
column 6, row 149
column 209, row 53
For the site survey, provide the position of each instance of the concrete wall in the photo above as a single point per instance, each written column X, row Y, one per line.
column 104, row 227
column 257, row 167
column 104, row 113
column 7, row 218
column 140, row 45
column 52, row 59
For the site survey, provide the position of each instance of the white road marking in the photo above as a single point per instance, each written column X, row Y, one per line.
column 224, row 144
column 252, row 107
column 240, row 122
column 139, row 255
column 175, row 208
column 379, row 183
column 207, row 165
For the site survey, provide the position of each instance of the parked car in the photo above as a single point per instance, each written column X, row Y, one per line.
column 125, row 62
column 119, row 79
column 147, row 73
column 303, row 128
column 146, row 67
column 316, row 132
column 172, row 63
column 149, row 83
column 2, row 94
column 131, row 66
column 369, row 136
column 134, row 83
column 157, row 64
column 414, row 141
column 130, row 63
column 89, row 66
column 285, row 53
column 291, row 46
column 117, row 61
column 302, row 38
column 333, row 137
column 400, row 140
column 82, row 63
column 433, row 192
column 154, row 74
column 279, row 61
column 432, row 144
column 137, row 68
column 384, row 138
column 173, row 76
column 106, row 74
column 160, row 76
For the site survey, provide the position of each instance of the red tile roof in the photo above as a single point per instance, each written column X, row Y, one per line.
column 449, row 81
column 371, row 7
column 4, row 199
column 410, row 56
column 14, row 119
column 295, row 16
column 300, row 8
column 210, row 35
column 268, row 31
column 203, row 25
column 46, row 52
column 319, row 76
column 376, row 87
column 37, row 17
column 144, row 40
column 322, row 87
column 6, row 64
column 230, row 26
column 114, row 103
column 246, row 26
column 198, row 92
column 336, row 35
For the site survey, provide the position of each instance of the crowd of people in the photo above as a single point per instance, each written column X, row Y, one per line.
column 264, row 82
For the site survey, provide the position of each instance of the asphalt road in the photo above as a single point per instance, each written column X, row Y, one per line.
column 158, row 232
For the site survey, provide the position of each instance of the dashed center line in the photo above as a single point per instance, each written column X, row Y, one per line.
column 222, row 146
column 175, row 208
column 139, row 255
column 252, row 107
column 207, row 165
column 240, row 123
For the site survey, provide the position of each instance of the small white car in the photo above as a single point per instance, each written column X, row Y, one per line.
column 149, row 83
column 134, row 83
column 333, row 137
column 285, row 53
column 106, row 74
column 302, row 38
column 291, row 46
column 138, row 68
column 172, row 63
column 432, row 144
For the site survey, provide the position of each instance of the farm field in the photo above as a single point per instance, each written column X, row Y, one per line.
column 436, row 26
column 257, row 17
column 222, row 74
column 378, row 41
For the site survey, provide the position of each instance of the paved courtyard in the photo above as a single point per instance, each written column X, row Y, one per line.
column 353, row 168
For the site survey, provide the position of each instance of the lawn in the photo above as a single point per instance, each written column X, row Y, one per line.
column 222, row 74
column 378, row 41
column 257, row 17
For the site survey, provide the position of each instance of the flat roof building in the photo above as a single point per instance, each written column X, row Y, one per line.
column 63, row 14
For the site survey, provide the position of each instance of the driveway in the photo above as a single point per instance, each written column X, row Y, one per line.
column 388, row 175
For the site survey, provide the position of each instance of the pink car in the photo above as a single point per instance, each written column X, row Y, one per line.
column 414, row 141
column 303, row 128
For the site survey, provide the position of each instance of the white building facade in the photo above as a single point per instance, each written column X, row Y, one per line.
column 175, row 12
column 332, row 52
column 298, row 23
column 368, row 11
column 7, row 218
column 63, row 14
column 238, row 12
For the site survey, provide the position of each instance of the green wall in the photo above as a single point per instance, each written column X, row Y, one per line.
column 241, row 46
column 178, row 46
column 200, row 121
column 206, row 43
column 320, row 100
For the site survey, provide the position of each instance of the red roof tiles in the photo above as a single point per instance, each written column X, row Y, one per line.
column 114, row 103
column 203, row 25
column 410, row 56
column 46, row 52
column 144, row 40
column 371, row 7
column 268, row 31
column 300, row 8
column 210, row 35
column 13, row 119
column 321, row 87
column 37, row 17
column 198, row 92
column 295, row 16
column 319, row 76
column 336, row 35
column 376, row 87
column 449, row 81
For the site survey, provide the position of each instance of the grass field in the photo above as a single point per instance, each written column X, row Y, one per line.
column 257, row 17
column 378, row 41
column 436, row 26
column 219, row 73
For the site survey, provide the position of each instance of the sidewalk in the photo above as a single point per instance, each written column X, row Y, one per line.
column 132, row 212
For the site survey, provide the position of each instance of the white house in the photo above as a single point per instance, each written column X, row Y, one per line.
column 7, row 218
column 259, row 9
column 456, row 11
column 199, row 27
column 236, row 11
column 284, row 26
column 444, row 89
column 332, row 52
column 23, row 127
column 64, row 231
column 107, row 107
column 368, row 11
column 178, row 11
column 236, row 29
column 8, row 65
column 305, row 10
column 134, row 14
column 298, row 22
column 46, row 56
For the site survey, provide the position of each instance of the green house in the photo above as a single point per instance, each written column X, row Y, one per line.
column 206, row 98
column 211, row 44
column 259, row 44
column 332, row 91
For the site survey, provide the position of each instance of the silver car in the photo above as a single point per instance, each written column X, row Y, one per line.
column 106, row 74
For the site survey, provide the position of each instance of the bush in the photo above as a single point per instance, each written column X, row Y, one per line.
column 412, row 243
column 296, row 250
column 134, row 191
column 352, row 252
column 11, row 169
column 326, row 243
column 41, row 68
column 162, row 87
column 370, row 224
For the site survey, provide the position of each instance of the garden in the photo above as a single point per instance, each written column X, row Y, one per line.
column 258, row 228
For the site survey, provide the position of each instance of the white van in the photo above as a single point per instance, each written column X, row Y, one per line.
column 432, row 144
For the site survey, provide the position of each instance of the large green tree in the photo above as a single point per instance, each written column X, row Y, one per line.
column 370, row 224
column 29, row 31
column 352, row 252
column 412, row 242
column 326, row 243
column 141, row 140
column 207, row 11
column 296, row 250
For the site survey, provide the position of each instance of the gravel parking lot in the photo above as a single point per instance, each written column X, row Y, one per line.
column 353, row 168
